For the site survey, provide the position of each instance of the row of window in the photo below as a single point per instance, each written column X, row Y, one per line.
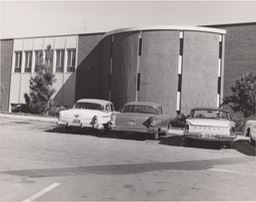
column 60, row 58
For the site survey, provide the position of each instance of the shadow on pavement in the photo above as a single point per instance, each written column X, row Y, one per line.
column 100, row 134
column 241, row 146
column 244, row 147
column 177, row 141
column 128, row 169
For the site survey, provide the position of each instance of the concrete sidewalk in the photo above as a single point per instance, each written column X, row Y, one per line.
column 28, row 118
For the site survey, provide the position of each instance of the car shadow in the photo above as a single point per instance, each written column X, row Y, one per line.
column 241, row 146
column 244, row 147
column 73, row 132
column 178, row 141
column 99, row 134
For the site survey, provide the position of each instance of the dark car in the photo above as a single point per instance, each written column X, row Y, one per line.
column 140, row 117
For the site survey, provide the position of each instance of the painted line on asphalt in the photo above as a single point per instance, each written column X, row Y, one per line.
column 231, row 171
column 45, row 190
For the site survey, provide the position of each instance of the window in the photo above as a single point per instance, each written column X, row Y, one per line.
column 71, row 60
column 38, row 59
column 18, row 60
column 48, row 60
column 28, row 61
column 59, row 60
column 88, row 105
column 140, row 109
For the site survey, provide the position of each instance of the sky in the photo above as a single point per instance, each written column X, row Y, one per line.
column 46, row 18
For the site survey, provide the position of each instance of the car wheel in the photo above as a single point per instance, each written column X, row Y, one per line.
column 228, row 144
column 185, row 141
column 119, row 135
column 251, row 141
column 156, row 134
column 68, row 129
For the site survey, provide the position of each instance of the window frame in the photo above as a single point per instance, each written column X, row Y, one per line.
column 71, row 59
column 17, row 61
column 60, row 60
column 37, row 52
column 28, row 61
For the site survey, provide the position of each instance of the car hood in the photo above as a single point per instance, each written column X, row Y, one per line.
column 210, row 122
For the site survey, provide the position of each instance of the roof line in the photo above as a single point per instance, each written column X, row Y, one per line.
column 230, row 24
column 166, row 27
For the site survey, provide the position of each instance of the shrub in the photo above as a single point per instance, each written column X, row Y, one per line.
column 54, row 109
column 179, row 121
column 239, row 124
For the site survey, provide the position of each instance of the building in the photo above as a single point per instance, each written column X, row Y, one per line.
column 179, row 67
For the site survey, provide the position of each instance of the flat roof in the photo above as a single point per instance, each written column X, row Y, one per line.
column 167, row 27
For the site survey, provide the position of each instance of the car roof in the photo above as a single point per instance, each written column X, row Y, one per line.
column 152, row 104
column 210, row 108
column 98, row 101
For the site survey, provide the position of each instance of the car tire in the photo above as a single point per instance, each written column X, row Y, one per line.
column 119, row 135
column 156, row 134
column 251, row 141
column 186, row 141
column 228, row 144
column 68, row 129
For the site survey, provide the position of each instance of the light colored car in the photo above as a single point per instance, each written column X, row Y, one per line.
column 140, row 117
column 87, row 113
column 250, row 129
column 211, row 124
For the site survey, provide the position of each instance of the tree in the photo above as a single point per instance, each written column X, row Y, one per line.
column 41, row 85
column 243, row 97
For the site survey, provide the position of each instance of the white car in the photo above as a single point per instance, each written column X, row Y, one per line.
column 211, row 124
column 87, row 113
column 250, row 127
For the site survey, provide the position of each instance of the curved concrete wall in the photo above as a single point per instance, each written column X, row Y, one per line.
column 178, row 68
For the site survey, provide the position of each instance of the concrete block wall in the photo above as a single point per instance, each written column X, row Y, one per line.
column 6, row 70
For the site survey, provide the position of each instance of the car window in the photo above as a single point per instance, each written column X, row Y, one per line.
column 88, row 105
column 140, row 109
column 112, row 108
column 160, row 110
column 210, row 114
column 108, row 107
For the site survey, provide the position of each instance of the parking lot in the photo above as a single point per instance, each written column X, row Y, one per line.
column 40, row 162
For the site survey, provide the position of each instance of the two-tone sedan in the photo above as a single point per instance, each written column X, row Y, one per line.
column 140, row 117
column 87, row 113
column 211, row 124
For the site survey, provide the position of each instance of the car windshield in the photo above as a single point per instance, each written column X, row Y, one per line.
column 88, row 105
column 140, row 109
column 210, row 114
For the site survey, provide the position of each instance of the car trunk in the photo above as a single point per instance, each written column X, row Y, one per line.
column 133, row 120
column 81, row 114
column 209, row 126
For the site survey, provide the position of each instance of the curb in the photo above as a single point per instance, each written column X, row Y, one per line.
column 29, row 118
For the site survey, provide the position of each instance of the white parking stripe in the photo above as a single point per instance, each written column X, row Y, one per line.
column 47, row 189
column 231, row 171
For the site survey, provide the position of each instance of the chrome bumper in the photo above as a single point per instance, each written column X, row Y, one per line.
column 210, row 137
column 124, row 129
column 80, row 125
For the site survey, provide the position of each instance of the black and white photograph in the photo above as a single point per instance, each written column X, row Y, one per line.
column 127, row 100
